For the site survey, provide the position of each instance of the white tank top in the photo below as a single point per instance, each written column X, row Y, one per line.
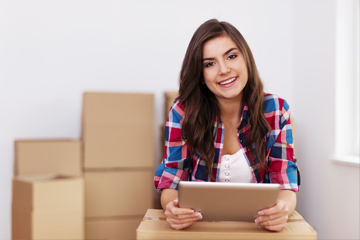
column 235, row 168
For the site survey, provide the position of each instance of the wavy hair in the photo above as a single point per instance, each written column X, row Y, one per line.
column 201, row 106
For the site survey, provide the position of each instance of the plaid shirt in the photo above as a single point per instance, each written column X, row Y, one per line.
column 280, row 163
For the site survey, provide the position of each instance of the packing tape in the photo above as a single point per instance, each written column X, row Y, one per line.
column 154, row 218
column 296, row 220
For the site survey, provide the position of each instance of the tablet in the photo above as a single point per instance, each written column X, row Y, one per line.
column 220, row 201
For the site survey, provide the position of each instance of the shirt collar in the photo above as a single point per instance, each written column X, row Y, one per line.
column 244, row 116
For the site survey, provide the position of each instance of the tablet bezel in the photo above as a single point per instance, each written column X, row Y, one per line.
column 220, row 201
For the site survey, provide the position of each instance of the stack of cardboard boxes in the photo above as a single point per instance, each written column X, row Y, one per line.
column 97, row 188
column 48, row 190
column 118, row 163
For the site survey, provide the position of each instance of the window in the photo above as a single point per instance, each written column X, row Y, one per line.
column 347, row 81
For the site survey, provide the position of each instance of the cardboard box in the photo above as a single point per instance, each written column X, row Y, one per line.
column 48, row 207
column 48, row 224
column 118, row 130
column 155, row 226
column 118, row 193
column 112, row 228
column 170, row 97
column 48, row 156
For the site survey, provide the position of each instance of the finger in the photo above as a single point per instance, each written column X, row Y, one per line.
column 274, row 222
column 278, row 207
column 276, row 228
column 196, row 215
column 181, row 221
column 181, row 226
column 182, row 211
column 175, row 210
column 261, row 219
column 176, row 202
column 179, row 213
column 182, row 216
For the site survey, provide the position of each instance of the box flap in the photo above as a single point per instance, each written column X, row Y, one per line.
column 44, row 192
column 47, row 156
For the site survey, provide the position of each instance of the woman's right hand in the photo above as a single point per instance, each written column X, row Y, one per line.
column 180, row 218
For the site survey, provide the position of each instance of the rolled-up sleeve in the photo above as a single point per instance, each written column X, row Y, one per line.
column 282, row 167
column 176, row 162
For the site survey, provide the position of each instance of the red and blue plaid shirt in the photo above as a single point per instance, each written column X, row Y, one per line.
column 281, row 168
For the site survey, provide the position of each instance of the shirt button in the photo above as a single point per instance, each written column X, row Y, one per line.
column 241, row 141
column 227, row 173
column 227, row 166
column 227, row 180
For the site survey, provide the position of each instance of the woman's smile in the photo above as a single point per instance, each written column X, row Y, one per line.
column 228, row 82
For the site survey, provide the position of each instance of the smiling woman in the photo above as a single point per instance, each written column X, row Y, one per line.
column 224, row 128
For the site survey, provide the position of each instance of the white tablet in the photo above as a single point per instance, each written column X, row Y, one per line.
column 219, row 201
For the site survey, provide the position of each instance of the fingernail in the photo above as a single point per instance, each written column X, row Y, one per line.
column 261, row 213
column 190, row 211
column 176, row 200
column 198, row 215
column 257, row 221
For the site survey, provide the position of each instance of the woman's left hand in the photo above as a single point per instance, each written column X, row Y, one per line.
column 274, row 218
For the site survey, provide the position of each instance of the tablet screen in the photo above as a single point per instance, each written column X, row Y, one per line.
column 219, row 201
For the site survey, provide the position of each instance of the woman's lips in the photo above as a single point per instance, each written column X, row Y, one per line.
column 228, row 83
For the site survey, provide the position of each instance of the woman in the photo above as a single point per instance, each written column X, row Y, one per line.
column 223, row 127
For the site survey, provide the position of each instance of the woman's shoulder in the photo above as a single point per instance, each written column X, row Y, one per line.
column 276, row 111
column 177, row 111
column 273, row 103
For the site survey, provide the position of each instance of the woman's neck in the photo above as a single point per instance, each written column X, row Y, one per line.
column 230, row 111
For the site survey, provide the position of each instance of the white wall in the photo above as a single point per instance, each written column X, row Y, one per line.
column 53, row 51
column 329, row 196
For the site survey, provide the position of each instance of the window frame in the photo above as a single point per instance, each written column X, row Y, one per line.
column 347, row 83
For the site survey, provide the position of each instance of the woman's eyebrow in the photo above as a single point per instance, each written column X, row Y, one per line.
column 231, row 49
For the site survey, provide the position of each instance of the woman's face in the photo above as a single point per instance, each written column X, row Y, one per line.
column 224, row 68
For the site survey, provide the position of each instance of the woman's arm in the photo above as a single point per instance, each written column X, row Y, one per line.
column 168, row 195
column 275, row 218
column 290, row 198
column 178, row 218
column 281, row 168
column 174, row 168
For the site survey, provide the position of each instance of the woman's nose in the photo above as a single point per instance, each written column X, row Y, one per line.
column 224, row 69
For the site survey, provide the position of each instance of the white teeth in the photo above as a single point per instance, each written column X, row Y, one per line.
column 228, row 81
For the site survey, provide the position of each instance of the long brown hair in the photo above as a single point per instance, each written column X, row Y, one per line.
column 201, row 106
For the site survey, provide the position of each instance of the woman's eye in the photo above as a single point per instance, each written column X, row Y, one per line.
column 232, row 56
column 209, row 64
